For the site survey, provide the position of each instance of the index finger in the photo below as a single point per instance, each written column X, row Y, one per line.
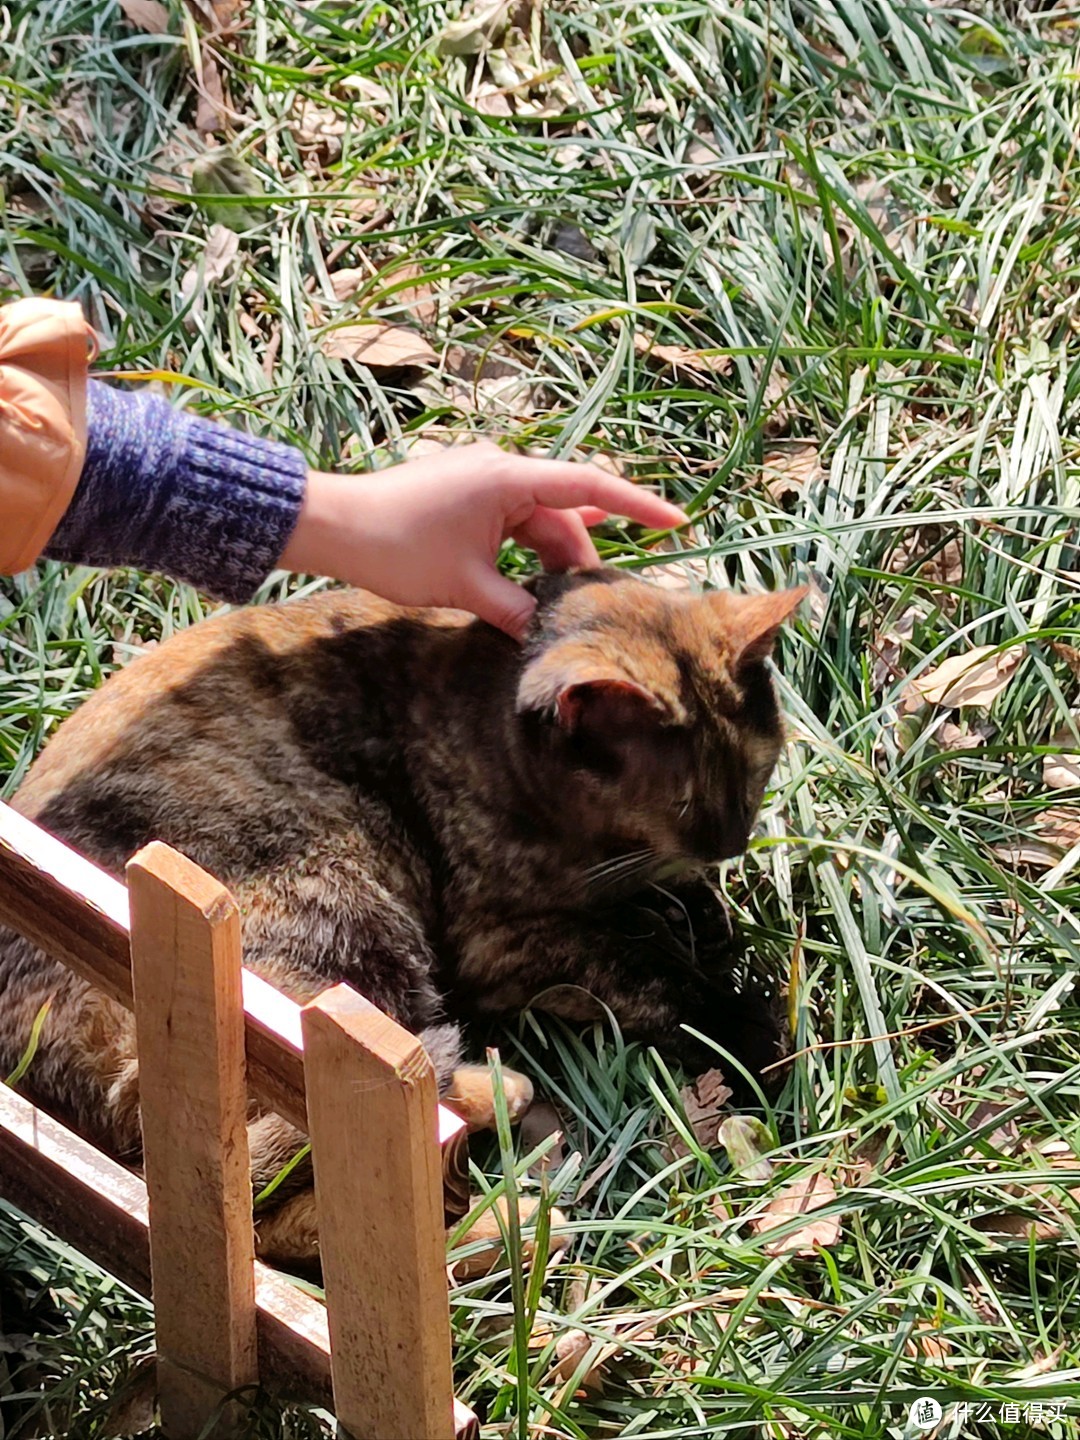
column 565, row 485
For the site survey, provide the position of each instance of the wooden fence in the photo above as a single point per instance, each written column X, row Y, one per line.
column 389, row 1161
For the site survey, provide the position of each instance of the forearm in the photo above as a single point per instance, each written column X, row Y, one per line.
column 167, row 491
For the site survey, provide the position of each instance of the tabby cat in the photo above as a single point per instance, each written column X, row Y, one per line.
column 409, row 801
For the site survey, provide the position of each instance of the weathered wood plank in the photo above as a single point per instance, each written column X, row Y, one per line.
column 80, row 915
column 371, row 1098
column 100, row 1208
column 189, row 1027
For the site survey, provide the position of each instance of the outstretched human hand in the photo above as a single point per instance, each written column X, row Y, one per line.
column 428, row 532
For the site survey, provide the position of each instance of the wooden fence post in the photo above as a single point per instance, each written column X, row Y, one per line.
column 189, row 1017
column 372, row 1101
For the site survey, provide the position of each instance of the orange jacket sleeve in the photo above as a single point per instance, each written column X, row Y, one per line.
column 45, row 350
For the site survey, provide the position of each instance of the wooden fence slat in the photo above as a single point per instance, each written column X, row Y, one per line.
column 79, row 914
column 100, row 1209
column 189, row 1025
column 371, row 1098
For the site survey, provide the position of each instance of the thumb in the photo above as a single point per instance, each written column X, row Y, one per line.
column 498, row 601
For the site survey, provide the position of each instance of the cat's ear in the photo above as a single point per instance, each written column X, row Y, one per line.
column 580, row 691
column 753, row 622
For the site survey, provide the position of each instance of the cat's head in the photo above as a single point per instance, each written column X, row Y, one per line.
column 660, row 705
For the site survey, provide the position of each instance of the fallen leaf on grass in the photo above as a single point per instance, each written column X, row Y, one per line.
column 788, row 465
column 571, row 1350
column 146, row 15
column 679, row 357
column 802, row 1197
column 977, row 677
column 219, row 15
column 1044, row 1199
column 746, row 1141
column 1062, row 772
column 418, row 299
column 1055, row 833
column 703, row 1104
column 476, row 30
column 345, row 283
column 928, row 1342
column 213, row 106
column 932, row 553
column 1015, row 1225
column 377, row 345
column 319, row 129
column 1060, row 826
column 1069, row 654
column 888, row 647
column 954, row 738
column 216, row 262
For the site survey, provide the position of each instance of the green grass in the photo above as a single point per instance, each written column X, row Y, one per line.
column 871, row 209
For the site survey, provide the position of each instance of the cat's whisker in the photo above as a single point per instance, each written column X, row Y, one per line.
column 616, row 863
column 623, row 869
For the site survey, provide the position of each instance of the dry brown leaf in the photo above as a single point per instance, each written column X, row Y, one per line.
column 977, row 677
column 217, row 259
column 888, row 647
column 704, row 151
column 146, row 15
column 1029, row 855
column 788, row 465
column 963, row 737
column 212, row 108
column 480, row 27
column 1060, row 826
column 380, row 346
column 703, row 1104
column 418, row 299
column 928, row 1342
column 1042, row 1364
column 217, row 15
column 1015, row 1225
column 1062, row 772
column 679, row 357
column 571, row 1350
column 604, row 460
column 1045, row 1199
column 930, row 552
column 1069, row 654
column 1056, row 831
column 801, row 1197
column 490, row 100
column 367, row 90
column 345, row 283
column 319, row 131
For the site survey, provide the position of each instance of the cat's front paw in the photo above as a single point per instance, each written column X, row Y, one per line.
column 471, row 1095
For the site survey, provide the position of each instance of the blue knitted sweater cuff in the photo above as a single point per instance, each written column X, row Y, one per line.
column 163, row 490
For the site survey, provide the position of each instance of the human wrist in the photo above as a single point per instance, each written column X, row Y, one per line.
column 325, row 528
